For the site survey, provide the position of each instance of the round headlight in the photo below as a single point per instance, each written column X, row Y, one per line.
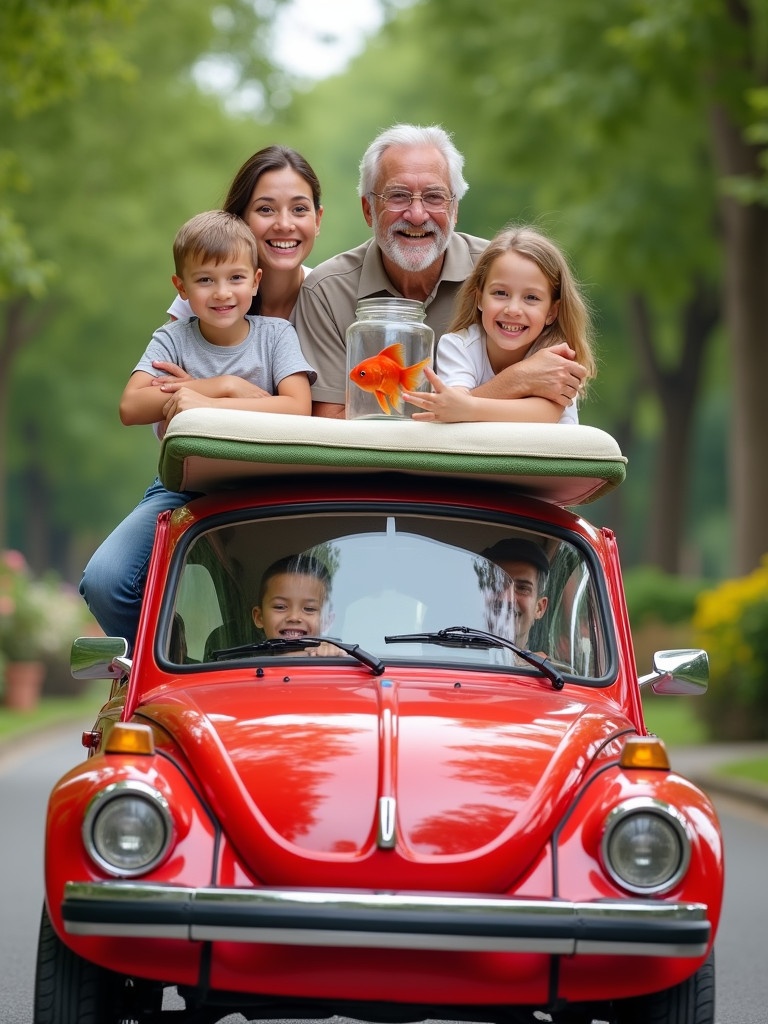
column 128, row 828
column 645, row 846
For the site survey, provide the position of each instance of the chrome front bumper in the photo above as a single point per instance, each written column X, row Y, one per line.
column 381, row 920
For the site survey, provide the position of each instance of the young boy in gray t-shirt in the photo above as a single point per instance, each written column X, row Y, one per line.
column 220, row 357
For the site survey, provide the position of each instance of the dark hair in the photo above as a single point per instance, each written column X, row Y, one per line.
column 299, row 565
column 515, row 549
column 271, row 158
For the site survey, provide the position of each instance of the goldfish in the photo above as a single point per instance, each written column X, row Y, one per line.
column 387, row 377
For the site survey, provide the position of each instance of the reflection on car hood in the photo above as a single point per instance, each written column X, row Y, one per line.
column 296, row 768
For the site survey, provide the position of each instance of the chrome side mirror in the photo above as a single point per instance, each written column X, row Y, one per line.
column 100, row 657
column 678, row 672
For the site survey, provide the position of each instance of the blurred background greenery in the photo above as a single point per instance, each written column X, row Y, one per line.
column 634, row 132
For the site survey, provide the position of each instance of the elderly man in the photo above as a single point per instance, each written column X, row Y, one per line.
column 410, row 185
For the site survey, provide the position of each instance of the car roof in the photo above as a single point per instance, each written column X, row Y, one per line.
column 207, row 449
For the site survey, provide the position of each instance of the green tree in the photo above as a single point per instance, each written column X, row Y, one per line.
column 47, row 54
column 645, row 107
column 615, row 158
column 110, row 175
column 548, row 139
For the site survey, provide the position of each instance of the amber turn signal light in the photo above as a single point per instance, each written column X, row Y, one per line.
column 130, row 738
column 644, row 752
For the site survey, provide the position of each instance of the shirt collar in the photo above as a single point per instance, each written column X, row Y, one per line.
column 457, row 266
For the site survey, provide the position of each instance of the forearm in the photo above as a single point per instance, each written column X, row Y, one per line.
column 142, row 406
column 146, row 403
column 509, row 384
column 512, row 410
column 293, row 397
column 552, row 374
column 225, row 386
column 271, row 403
column 458, row 405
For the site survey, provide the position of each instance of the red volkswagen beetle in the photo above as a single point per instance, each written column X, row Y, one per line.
column 379, row 750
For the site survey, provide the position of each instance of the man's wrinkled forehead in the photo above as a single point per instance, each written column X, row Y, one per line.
column 403, row 164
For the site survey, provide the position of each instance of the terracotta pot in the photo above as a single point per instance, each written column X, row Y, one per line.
column 23, row 684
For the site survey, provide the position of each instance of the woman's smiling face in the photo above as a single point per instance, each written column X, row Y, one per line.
column 516, row 305
column 283, row 219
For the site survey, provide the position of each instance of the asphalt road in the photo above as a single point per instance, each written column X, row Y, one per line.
column 28, row 771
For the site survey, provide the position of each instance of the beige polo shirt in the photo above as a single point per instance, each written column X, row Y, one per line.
column 329, row 296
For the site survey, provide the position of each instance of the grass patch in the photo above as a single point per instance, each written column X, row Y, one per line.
column 754, row 769
column 51, row 710
column 674, row 720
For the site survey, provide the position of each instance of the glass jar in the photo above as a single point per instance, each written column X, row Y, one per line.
column 388, row 346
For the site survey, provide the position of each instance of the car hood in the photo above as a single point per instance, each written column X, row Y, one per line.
column 434, row 772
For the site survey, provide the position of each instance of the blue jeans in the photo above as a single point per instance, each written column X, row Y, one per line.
column 114, row 579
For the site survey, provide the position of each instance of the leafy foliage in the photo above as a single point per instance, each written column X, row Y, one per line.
column 731, row 623
column 136, row 155
column 655, row 595
column 567, row 123
column 48, row 52
column 590, row 120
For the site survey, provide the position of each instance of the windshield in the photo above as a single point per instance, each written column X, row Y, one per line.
column 375, row 580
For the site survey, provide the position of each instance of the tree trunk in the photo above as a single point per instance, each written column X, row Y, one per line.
column 613, row 509
column 677, row 390
column 746, row 274
column 670, row 487
column 16, row 329
column 11, row 340
column 36, row 500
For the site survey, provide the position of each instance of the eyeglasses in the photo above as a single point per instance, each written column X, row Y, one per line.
column 434, row 200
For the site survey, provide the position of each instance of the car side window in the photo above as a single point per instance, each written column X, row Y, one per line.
column 197, row 614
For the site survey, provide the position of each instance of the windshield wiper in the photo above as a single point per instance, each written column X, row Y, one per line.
column 278, row 645
column 465, row 636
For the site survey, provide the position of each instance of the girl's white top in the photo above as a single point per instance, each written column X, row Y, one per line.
column 462, row 362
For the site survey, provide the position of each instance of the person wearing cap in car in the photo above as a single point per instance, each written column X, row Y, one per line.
column 518, row 595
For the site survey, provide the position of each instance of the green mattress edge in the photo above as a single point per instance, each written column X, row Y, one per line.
column 176, row 450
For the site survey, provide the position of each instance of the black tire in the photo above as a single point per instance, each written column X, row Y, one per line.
column 71, row 990
column 690, row 1002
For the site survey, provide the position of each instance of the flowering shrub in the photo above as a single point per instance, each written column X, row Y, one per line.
column 22, row 631
column 38, row 617
column 731, row 623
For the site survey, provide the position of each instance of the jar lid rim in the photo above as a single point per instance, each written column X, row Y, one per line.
column 387, row 300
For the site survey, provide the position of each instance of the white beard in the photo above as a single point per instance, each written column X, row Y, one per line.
column 405, row 257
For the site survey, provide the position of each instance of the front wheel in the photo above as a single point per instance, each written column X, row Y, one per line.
column 71, row 990
column 690, row 1002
